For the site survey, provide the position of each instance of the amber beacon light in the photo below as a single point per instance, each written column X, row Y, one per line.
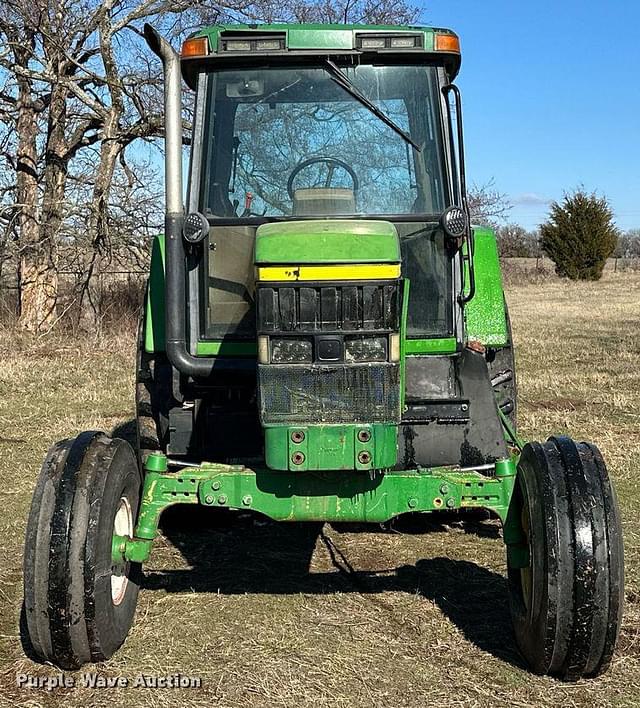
column 447, row 42
column 195, row 47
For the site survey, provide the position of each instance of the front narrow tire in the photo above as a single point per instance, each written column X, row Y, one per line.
column 566, row 602
column 79, row 604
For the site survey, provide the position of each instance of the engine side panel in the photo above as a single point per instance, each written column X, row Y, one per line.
column 451, row 416
column 485, row 316
column 154, row 300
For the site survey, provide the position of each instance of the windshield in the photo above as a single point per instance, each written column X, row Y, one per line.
column 293, row 142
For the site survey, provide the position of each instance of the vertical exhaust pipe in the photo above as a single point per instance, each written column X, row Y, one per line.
column 175, row 288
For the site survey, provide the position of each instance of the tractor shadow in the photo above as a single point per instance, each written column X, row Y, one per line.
column 243, row 554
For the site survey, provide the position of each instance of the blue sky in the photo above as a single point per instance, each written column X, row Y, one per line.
column 551, row 95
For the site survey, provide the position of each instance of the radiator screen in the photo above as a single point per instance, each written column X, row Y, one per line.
column 366, row 393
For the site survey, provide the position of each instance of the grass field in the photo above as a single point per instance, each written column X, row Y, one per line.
column 414, row 615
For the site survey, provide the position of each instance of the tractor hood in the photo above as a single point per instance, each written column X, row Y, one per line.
column 327, row 241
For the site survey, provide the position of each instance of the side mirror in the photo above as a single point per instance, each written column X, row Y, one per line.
column 195, row 227
column 454, row 223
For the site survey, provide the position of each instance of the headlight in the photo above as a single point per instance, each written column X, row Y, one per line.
column 291, row 351
column 263, row 349
column 454, row 222
column 357, row 349
column 394, row 347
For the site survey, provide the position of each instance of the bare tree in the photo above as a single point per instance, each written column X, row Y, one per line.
column 487, row 204
column 321, row 11
column 69, row 86
column 514, row 241
column 21, row 108
column 628, row 245
column 77, row 90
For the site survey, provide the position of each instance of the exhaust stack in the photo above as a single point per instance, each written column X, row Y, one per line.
column 175, row 287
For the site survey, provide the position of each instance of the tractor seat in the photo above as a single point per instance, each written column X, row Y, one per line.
column 324, row 201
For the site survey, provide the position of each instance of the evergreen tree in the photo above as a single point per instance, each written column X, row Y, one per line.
column 580, row 235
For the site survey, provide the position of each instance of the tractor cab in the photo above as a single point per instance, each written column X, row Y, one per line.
column 327, row 257
column 356, row 132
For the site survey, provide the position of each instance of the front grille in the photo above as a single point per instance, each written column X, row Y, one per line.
column 348, row 308
column 365, row 393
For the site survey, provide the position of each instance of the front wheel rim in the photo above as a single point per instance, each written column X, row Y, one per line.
column 122, row 526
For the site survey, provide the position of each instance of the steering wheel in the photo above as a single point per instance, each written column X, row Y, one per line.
column 333, row 162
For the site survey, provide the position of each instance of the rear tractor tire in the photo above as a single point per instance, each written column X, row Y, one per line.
column 566, row 602
column 153, row 399
column 79, row 603
column 502, row 372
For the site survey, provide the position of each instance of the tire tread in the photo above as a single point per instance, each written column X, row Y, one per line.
column 578, row 569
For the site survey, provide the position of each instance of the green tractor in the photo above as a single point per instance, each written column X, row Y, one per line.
column 324, row 339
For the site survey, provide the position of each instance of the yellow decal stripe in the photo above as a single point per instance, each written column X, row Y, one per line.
column 360, row 271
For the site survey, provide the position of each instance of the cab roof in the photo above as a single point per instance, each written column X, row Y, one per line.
column 236, row 43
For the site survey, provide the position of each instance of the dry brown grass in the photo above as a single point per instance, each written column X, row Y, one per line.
column 412, row 616
column 114, row 305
